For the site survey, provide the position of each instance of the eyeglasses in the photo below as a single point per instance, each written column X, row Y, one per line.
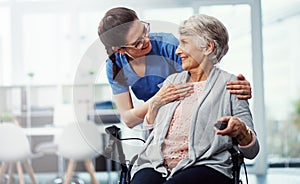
column 139, row 43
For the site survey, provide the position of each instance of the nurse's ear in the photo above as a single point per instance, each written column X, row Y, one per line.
column 118, row 49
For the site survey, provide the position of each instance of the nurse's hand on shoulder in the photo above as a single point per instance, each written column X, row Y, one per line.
column 241, row 88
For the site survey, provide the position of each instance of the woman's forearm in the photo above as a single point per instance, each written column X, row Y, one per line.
column 154, row 104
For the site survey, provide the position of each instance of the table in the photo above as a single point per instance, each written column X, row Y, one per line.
column 42, row 131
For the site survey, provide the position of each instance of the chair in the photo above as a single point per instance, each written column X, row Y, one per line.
column 126, row 165
column 115, row 143
column 63, row 115
column 79, row 141
column 85, row 141
column 15, row 150
column 237, row 157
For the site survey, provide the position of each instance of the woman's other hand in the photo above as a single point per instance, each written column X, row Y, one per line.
column 236, row 129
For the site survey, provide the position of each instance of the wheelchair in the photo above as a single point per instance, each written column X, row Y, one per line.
column 126, row 165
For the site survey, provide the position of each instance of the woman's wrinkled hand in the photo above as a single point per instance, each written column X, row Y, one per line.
column 173, row 92
column 236, row 129
column 166, row 95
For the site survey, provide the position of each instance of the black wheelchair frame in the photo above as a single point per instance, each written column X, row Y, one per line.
column 115, row 141
column 126, row 165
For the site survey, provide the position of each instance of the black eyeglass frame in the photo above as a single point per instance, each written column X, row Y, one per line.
column 139, row 43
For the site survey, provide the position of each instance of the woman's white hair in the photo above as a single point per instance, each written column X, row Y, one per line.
column 207, row 29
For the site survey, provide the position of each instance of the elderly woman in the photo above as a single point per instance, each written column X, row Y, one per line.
column 184, row 146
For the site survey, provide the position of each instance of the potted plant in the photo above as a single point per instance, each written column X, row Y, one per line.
column 297, row 114
column 6, row 117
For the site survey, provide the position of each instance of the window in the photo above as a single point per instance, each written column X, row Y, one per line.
column 46, row 48
column 238, row 59
column 282, row 86
column 166, row 20
column 5, row 45
column 174, row 15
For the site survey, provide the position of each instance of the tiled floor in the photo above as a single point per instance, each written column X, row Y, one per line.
column 274, row 176
column 80, row 178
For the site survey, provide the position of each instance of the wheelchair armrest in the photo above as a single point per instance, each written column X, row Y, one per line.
column 113, row 130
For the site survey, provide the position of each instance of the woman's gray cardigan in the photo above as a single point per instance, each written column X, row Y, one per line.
column 205, row 146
